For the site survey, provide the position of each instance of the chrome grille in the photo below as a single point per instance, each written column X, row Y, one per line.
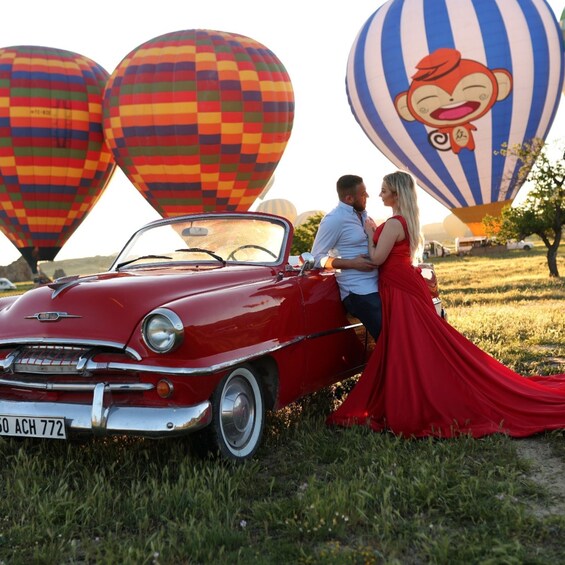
column 49, row 359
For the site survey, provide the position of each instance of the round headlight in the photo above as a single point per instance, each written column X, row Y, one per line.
column 162, row 330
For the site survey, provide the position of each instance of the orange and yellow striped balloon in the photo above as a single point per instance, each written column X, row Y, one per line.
column 198, row 120
column 54, row 163
column 303, row 217
column 280, row 207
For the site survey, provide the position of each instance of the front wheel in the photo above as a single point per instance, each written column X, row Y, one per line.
column 238, row 415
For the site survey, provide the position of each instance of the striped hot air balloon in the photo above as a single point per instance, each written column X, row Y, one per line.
column 267, row 187
column 440, row 85
column 198, row 120
column 303, row 217
column 562, row 23
column 54, row 164
column 280, row 207
column 454, row 227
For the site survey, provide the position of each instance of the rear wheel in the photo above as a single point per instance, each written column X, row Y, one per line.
column 238, row 415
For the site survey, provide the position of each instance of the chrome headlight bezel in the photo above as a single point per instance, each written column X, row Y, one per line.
column 166, row 322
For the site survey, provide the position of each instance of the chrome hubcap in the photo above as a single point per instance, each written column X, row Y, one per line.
column 238, row 412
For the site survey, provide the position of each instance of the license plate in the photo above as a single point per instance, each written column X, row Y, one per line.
column 28, row 426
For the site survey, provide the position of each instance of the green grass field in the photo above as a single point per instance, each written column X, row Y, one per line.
column 312, row 494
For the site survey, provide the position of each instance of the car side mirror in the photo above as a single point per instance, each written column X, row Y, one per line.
column 306, row 262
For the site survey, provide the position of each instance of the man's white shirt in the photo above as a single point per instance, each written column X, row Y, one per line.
column 342, row 234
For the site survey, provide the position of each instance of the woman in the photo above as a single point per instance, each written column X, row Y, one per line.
column 424, row 378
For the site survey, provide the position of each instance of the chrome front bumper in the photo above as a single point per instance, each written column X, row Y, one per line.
column 115, row 420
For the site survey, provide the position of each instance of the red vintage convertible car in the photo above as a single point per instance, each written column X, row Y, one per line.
column 201, row 324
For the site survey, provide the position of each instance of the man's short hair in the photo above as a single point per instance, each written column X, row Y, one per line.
column 347, row 185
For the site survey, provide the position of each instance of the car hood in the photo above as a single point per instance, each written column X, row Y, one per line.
column 107, row 307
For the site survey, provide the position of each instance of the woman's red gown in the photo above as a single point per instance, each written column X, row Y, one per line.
column 425, row 379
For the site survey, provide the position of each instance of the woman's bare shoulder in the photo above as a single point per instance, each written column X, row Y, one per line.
column 394, row 223
column 394, row 226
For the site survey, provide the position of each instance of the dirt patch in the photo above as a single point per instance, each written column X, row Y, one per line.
column 556, row 360
column 548, row 471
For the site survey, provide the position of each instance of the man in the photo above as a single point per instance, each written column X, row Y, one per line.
column 341, row 244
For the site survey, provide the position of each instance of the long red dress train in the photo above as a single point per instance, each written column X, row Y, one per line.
column 425, row 379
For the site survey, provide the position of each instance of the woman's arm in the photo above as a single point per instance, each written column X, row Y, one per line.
column 392, row 232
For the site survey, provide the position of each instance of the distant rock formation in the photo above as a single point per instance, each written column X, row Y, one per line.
column 18, row 271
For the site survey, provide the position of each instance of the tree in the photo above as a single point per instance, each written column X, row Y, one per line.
column 543, row 211
column 304, row 234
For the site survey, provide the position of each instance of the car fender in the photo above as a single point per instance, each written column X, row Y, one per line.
column 228, row 326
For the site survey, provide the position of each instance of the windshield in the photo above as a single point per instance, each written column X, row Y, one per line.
column 213, row 239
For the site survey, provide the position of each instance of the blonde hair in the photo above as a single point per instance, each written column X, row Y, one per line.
column 403, row 185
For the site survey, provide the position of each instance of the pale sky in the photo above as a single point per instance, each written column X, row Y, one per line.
column 312, row 38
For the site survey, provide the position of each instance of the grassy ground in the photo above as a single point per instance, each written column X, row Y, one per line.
column 315, row 495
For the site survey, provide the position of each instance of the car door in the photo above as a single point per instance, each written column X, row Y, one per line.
column 336, row 344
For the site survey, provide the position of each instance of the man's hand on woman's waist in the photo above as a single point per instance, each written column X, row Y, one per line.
column 359, row 263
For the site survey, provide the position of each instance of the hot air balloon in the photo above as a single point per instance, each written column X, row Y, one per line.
column 54, row 164
column 198, row 120
column 305, row 216
column 562, row 23
column 454, row 227
column 268, row 187
column 439, row 87
column 279, row 206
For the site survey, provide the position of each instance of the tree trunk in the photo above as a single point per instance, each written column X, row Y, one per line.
column 553, row 248
column 552, row 262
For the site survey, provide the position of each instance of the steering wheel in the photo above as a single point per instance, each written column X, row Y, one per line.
column 250, row 246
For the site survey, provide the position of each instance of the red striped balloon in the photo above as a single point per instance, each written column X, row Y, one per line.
column 198, row 120
column 54, row 163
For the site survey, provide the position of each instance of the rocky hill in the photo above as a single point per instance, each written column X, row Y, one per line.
column 19, row 270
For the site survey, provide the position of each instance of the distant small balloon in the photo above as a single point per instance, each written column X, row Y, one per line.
column 280, row 207
column 454, row 227
column 199, row 119
column 303, row 217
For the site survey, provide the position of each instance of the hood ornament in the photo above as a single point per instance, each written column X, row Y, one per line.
column 63, row 283
column 50, row 316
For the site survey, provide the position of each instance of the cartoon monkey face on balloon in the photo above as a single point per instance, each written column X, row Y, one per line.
column 448, row 93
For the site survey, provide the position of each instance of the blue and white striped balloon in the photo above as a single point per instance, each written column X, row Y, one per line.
column 562, row 24
column 516, row 44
